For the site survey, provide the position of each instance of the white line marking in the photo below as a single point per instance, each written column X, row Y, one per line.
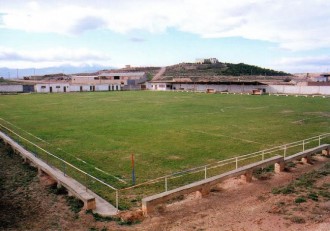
column 64, row 151
column 230, row 137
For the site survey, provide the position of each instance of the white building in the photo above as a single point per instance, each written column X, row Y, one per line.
column 121, row 78
column 66, row 87
column 209, row 60
column 52, row 87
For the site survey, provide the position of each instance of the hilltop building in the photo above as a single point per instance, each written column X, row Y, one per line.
column 209, row 60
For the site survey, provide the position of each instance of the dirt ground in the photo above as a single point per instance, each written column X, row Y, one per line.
column 27, row 203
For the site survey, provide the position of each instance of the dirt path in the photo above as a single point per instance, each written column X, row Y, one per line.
column 27, row 204
column 248, row 206
column 159, row 74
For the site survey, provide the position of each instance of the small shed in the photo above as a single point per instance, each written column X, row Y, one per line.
column 257, row 91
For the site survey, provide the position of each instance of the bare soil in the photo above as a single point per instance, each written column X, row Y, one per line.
column 27, row 203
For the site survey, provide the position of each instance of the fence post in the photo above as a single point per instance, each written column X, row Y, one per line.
column 86, row 181
column 263, row 155
column 165, row 184
column 63, row 168
column 205, row 173
column 35, row 150
column 117, row 200
column 303, row 145
column 236, row 162
column 319, row 140
column 284, row 151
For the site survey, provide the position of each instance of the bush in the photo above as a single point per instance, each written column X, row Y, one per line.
column 300, row 200
column 313, row 196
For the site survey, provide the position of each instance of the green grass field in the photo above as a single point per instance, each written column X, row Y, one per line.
column 166, row 131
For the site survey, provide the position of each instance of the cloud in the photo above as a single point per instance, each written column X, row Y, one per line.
column 51, row 57
column 294, row 24
column 137, row 40
column 88, row 23
column 305, row 64
column 318, row 60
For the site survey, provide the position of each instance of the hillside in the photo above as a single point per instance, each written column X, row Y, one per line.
column 222, row 70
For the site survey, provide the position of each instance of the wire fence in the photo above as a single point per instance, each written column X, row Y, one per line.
column 124, row 197
column 191, row 175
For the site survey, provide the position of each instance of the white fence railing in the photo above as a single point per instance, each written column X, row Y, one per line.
column 163, row 183
column 235, row 162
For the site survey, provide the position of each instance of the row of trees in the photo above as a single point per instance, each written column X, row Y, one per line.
column 245, row 69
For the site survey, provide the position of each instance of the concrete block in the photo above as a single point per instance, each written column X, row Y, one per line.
column 306, row 160
column 279, row 167
column 40, row 172
column 203, row 192
column 326, row 152
column 90, row 204
column 247, row 176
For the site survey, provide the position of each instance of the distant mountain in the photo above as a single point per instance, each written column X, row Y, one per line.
column 14, row 73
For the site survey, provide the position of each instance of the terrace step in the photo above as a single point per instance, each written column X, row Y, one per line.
column 91, row 200
column 307, row 153
column 204, row 186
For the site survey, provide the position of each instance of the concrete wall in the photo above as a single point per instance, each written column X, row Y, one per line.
column 299, row 90
column 218, row 88
column 11, row 88
column 272, row 89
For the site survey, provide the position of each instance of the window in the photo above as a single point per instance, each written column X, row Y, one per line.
column 96, row 78
column 116, row 77
column 43, row 87
column 58, row 87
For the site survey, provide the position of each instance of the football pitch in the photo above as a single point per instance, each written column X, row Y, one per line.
column 166, row 131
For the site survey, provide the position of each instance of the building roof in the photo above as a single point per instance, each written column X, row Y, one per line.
column 221, row 82
column 122, row 74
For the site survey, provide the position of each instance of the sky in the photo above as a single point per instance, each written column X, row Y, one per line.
column 291, row 36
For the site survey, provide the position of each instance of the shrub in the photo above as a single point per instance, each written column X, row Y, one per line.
column 313, row 196
column 300, row 200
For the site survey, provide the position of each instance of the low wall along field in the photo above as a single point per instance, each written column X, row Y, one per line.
column 167, row 132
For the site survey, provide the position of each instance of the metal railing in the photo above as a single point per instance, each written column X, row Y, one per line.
column 164, row 183
column 191, row 175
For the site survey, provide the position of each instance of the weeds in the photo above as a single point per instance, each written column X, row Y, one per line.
column 75, row 204
column 300, row 200
column 291, row 165
column 263, row 173
column 305, row 186
column 98, row 217
column 313, row 196
column 284, row 190
column 57, row 190
column 298, row 220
